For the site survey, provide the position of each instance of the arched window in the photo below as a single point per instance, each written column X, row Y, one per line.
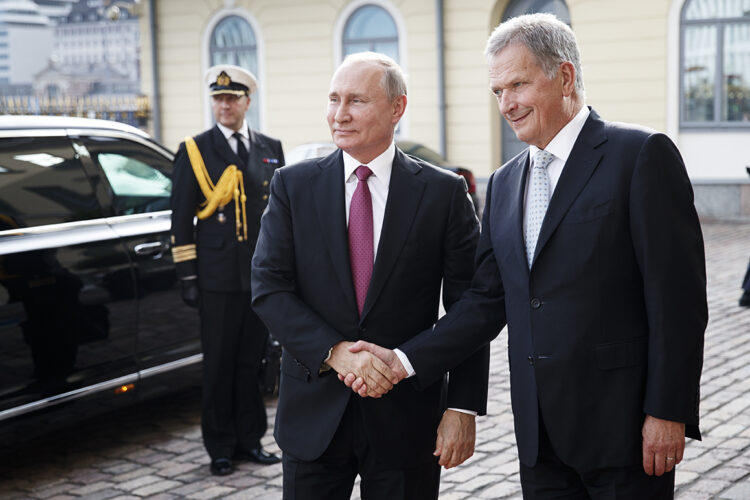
column 233, row 42
column 522, row 7
column 715, row 64
column 370, row 28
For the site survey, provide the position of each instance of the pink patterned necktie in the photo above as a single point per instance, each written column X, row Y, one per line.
column 360, row 236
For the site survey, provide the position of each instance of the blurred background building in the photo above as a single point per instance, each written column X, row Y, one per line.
column 678, row 66
column 68, row 57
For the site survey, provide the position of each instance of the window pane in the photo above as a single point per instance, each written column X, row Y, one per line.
column 716, row 9
column 370, row 22
column 130, row 177
column 233, row 42
column 41, row 182
column 736, row 106
column 699, row 73
column 521, row 7
column 353, row 48
column 233, row 32
column 371, row 28
column 137, row 175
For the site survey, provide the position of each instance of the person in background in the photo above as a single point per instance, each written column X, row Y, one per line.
column 222, row 175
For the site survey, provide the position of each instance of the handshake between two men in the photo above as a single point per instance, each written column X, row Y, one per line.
column 368, row 369
column 371, row 371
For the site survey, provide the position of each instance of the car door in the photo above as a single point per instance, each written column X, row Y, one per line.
column 67, row 294
column 136, row 175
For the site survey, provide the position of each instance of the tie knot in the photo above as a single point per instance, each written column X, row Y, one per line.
column 543, row 158
column 363, row 172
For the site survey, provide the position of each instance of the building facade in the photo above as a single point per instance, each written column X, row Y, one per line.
column 678, row 66
column 25, row 43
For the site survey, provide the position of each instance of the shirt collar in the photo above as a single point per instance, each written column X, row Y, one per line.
column 562, row 144
column 381, row 166
column 228, row 132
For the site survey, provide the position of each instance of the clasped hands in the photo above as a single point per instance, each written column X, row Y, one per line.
column 372, row 371
column 368, row 369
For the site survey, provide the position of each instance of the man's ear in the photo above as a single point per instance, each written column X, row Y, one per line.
column 567, row 73
column 399, row 106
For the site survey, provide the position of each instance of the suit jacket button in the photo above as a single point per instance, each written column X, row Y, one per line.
column 536, row 303
column 531, row 360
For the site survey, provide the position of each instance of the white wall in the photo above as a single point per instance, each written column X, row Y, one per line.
column 29, row 50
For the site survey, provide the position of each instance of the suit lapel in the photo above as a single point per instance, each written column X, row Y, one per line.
column 404, row 195
column 513, row 218
column 583, row 160
column 327, row 186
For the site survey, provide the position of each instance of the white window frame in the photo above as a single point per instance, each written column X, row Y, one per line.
column 206, row 63
column 338, row 42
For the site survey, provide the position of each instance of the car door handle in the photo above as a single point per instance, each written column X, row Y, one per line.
column 152, row 248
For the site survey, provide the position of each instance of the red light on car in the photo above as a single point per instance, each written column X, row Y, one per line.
column 124, row 388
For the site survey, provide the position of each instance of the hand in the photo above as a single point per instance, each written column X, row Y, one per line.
column 377, row 377
column 663, row 445
column 191, row 295
column 358, row 384
column 455, row 438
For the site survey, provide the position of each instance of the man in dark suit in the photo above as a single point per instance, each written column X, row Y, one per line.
column 591, row 251
column 222, row 176
column 355, row 246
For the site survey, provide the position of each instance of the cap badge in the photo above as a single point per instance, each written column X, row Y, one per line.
column 223, row 79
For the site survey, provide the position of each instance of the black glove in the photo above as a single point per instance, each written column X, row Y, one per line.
column 191, row 295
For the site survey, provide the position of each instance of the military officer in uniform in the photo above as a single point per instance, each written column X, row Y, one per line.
column 222, row 176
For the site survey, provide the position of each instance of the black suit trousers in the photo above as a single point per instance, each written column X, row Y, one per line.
column 746, row 281
column 233, row 338
column 332, row 475
column 551, row 479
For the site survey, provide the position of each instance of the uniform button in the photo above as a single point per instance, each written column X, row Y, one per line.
column 265, row 197
column 531, row 360
column 265, row 183
column 536, row 303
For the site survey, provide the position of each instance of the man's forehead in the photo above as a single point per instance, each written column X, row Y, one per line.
column 358, row 70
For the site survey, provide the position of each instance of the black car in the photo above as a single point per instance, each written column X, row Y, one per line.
column 89, row 298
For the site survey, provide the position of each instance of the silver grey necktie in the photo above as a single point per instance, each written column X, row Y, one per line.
column 538, row 200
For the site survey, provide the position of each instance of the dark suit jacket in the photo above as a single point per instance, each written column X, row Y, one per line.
column 608, row 324
column 302, row 289
column 223, row 263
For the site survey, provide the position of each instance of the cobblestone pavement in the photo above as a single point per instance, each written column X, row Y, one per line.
column 154, row 450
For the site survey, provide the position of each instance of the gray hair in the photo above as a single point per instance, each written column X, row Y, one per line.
column 393, row 81
column 550, row 40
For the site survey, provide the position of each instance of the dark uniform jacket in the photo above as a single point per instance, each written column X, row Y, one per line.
column 223, row 263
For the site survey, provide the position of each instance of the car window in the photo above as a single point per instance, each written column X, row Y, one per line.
column 42, row 182
column 138, row 175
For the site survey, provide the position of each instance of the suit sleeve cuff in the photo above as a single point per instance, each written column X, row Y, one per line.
column 405, row 361
column 468, row 412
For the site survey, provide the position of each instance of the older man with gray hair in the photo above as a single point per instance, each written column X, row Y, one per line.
column 592, row 253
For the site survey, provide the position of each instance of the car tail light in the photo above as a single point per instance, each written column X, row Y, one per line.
column 466, row 174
